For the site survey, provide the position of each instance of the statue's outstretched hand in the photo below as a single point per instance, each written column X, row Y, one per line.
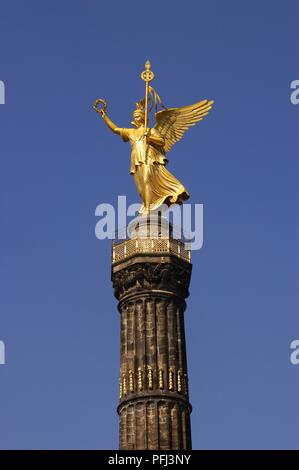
column 101, row 111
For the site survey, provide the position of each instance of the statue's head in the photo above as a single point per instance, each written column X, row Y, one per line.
column 138, row 118
column 139, row 114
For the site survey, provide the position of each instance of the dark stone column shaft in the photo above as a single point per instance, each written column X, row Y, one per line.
column 154, row 408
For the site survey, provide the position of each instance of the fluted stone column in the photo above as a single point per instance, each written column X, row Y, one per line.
column 151, row 287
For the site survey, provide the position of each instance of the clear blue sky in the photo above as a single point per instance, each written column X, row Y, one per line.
column 58, row 316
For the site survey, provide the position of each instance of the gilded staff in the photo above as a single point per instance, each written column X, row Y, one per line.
column 147, row 76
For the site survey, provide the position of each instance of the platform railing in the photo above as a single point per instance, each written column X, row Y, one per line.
column 159, row 245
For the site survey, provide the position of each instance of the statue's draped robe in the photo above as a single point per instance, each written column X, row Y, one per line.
column 148, row 166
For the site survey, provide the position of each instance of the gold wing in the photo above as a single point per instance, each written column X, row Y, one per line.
column 172, row 123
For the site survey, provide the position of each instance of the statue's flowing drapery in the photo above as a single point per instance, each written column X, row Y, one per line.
column 148, row 166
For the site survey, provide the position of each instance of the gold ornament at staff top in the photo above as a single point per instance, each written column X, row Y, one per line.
column 155, row 184
column 147, row 75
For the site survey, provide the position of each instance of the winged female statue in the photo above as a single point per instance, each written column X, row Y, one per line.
column 155, row 184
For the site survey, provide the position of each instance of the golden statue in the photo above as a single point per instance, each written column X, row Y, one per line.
column 155, row 184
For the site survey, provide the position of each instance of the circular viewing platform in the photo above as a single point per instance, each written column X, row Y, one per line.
column 152, row 235
column 157, row 245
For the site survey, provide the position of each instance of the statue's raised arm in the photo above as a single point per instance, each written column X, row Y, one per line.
column 103, row 112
